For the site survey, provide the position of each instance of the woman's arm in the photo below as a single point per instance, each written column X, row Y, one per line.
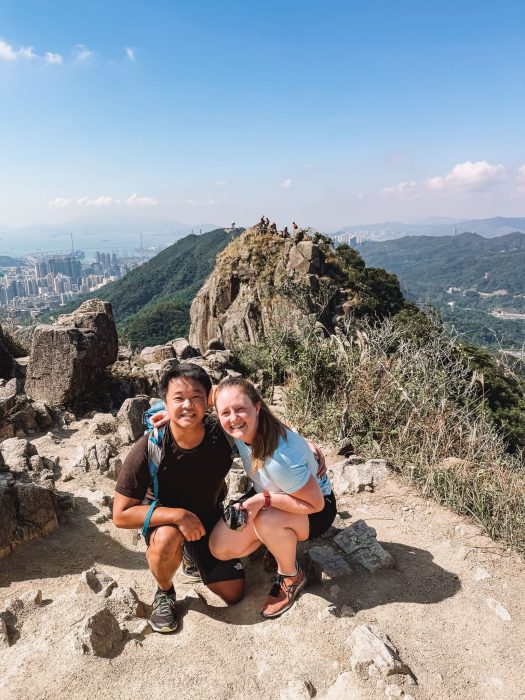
column 307, row 500
column 129, row 513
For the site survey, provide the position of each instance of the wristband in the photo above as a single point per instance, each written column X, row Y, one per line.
column 267, row 500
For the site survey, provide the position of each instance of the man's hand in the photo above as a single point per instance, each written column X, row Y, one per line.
column 190, row 526
column 320, row 459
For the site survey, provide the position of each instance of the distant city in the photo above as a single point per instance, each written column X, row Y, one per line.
column 46, row 280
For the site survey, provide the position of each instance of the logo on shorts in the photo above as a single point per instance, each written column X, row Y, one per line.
column 238, row 566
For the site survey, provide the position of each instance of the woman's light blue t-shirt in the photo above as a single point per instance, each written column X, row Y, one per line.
column 288, row 469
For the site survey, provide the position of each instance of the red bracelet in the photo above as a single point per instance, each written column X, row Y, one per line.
column 267, row 500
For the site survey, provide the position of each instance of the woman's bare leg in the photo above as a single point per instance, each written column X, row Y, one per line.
column 280, row 531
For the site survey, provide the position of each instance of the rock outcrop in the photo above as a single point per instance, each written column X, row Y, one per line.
column 68, row 358
column 242, row 301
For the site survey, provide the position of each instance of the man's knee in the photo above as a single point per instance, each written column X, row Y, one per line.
column 166, row 539
column 230, row 591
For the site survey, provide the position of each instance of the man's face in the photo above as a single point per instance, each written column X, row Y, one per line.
column 186, row 403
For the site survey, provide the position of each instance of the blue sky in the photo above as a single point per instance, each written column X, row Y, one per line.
column 330, row 113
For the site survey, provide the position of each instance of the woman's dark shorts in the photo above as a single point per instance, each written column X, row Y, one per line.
column 320, row 522
column 212, row 570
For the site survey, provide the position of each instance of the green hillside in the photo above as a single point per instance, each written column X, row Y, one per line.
column 467, row 277
column 151, row 303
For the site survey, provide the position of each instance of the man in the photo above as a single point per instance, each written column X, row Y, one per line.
column 196, row 456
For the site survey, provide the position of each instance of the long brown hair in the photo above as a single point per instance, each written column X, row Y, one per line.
column 269, row 427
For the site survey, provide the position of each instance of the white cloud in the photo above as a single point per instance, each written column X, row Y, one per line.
column 480, row 177
column 83, row 53
column 286, row 184
column 136, row 201
column 59, row 203
column 8, row 53
column 221, row 183
column 102, row 201
column 52, row 57
column 130, row 53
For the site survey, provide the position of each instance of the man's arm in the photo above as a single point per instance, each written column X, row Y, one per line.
column 129, row 513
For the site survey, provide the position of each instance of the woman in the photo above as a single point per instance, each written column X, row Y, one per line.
column 291, row 503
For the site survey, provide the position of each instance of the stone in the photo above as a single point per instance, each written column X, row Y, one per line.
column 298, row 690
column 97, row 455
column 130, row 424
column 373, row 653
column 238, row 483
column 4, row 634
column 157, row 353
column 499, row 609
column 65, row 500
column 97, row 582
column 345, row 447
column 345, row 688
column 36, row 510
column 7, row 362
column 220, row 360
column 183, row 350
column 359, row 542
column 98, row 635
column 16, row 453
column 394, row 691
column 215, row 344
column 124, row 604
column 324, row 564
column 481, row 574
column 348, row 477
column 102, row 424
column 115, row 465
column 68, row 358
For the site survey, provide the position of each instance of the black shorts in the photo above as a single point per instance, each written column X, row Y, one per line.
column 320, row 522
column 212, row 570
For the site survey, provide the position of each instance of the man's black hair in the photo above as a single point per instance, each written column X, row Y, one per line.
column 184, row 370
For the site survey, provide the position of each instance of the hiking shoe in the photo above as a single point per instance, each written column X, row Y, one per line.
column 163, row 618
column 269, row 562
column 189, row 567
column 284, row 591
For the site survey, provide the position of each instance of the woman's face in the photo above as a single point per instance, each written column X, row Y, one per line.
column 237, row 413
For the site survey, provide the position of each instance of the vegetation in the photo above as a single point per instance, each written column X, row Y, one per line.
column 400, row 387
column 466, row 277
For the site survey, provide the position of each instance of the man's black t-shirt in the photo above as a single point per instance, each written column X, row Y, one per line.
column 190, row 479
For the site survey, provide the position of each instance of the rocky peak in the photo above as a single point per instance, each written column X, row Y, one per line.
column 243, row 299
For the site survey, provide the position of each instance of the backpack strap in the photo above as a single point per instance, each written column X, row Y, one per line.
column 154, row 459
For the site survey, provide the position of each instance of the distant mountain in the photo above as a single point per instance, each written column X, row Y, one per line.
column 476, row 282
column 7, row 261
column 435, row 226
column 151, row 303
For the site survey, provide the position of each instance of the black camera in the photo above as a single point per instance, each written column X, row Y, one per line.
column 235, row 518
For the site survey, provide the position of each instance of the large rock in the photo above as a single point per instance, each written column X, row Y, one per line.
column 348, row 477
column 98, row 635
column 241, row 302
column 325, row 564
column 16, row 454
column 360, row 544
column 345, row 688
column 95, row 581
column 68, row 358
column 130, row 425
column 7, row 363
column 374, row 654
column 183, row 350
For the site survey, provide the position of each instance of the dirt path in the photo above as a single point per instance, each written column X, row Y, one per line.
column 439, row 606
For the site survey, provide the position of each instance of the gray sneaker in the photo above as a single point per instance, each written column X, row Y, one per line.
column 163, row 618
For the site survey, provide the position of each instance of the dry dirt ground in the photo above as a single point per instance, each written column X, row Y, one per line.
column 454, row 607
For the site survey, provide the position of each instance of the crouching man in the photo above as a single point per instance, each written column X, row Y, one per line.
column 171, row 488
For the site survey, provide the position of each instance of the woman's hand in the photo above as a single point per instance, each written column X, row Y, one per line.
column 320, row 459
column 159, row 419
column 252, row 505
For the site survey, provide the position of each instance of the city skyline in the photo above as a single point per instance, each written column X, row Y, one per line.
column 336, row 115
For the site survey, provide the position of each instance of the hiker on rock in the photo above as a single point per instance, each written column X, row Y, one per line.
column 194, row 456
column 273, row 227
column 285, row 234
column 263, row 224
column 295, row 227
column 290, row 502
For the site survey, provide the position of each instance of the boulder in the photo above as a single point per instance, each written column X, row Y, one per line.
column 130, row 425
column 102, row 423
column 98, row 635
column 324, row 563
column 16, row 453
column 359, row 542
column 373, row 653
column 157, row 353
column 68, row 358
column 349, row 477
column 216, row 344
column 183, row 350
column 7, row 362
column 95, row 581
column 125, row 605
column 345, row 688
